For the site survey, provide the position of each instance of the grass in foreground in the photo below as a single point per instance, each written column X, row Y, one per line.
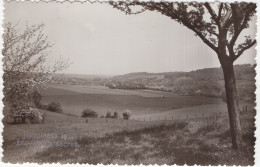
column 179, row 143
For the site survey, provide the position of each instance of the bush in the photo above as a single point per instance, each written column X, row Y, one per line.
column 28, row 114
column 108, row 115
column 126, row 114
column 54, row 107
column 115, row 115
column 102, row 116
column 88, row 113
column 34, row 116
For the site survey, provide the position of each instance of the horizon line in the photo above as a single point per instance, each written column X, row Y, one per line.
column 111, row 75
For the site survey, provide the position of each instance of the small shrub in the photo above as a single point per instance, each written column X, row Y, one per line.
column 54, row 107
column 126, row 114
column 108, row 115
column 115, row 115
column 88, row 113
column 102, row 116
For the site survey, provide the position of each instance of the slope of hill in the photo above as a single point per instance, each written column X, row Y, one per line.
column 208, row 81
column 244, row 71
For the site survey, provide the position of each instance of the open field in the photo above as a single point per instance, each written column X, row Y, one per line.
column 101, row 100
column 166, row 136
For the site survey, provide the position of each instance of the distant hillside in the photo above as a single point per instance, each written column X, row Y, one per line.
column 208, row 81
column 245, row 71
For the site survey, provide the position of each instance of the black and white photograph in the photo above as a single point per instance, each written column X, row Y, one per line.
column 129, row 82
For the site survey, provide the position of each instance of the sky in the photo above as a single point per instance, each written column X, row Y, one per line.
column 98, row 39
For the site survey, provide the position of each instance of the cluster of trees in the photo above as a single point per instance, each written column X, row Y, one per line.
column 88, row 113
column 126, row 115
column 110, row 115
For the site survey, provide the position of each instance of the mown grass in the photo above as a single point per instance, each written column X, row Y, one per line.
column 178, row 143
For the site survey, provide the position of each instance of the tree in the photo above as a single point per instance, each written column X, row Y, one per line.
column 219, row 26
column 24, row 63
column 126, row 114
column 115, row 115
column 108, row 115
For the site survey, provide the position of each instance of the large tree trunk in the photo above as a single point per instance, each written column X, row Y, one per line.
column 232, row 104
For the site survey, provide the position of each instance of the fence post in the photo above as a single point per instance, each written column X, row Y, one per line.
column 106, row 120
column 165, row 118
